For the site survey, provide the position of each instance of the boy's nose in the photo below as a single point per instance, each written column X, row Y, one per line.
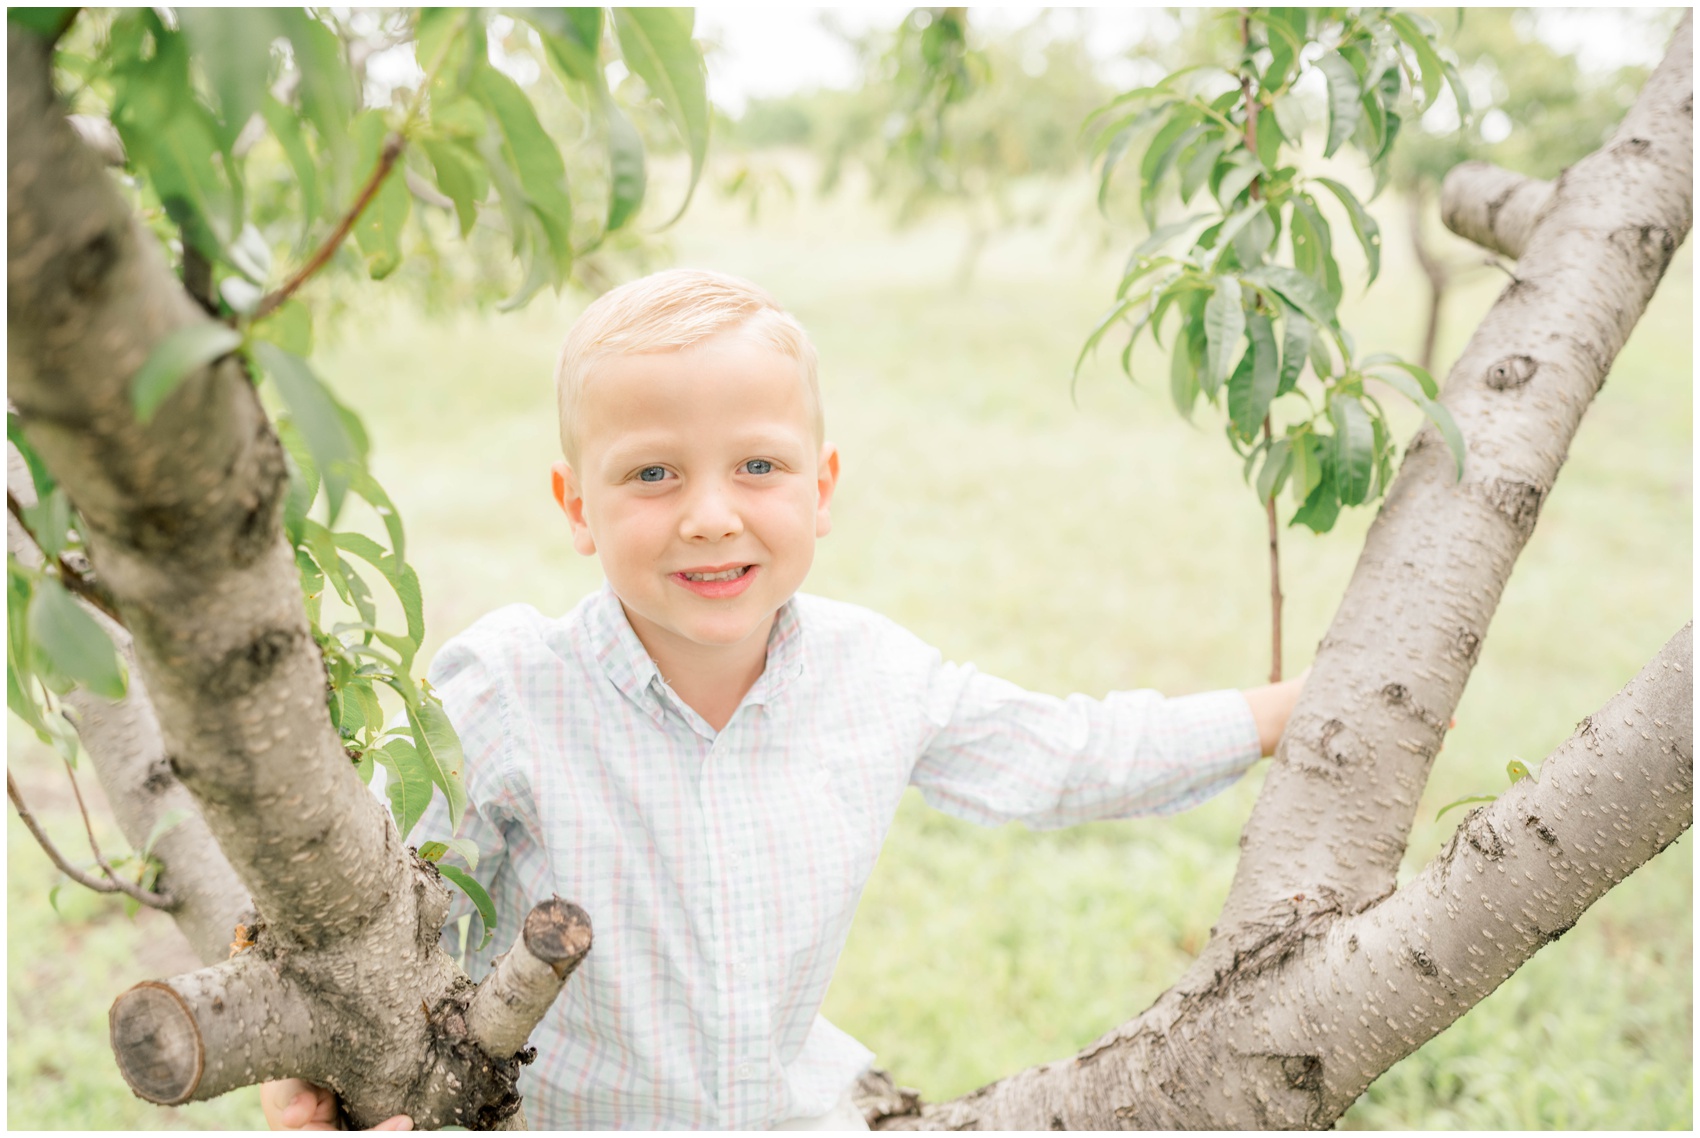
column 710, row 515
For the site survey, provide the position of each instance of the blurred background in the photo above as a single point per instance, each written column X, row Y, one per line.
column 1083, row 540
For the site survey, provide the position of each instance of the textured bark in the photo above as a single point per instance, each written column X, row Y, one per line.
column 343, row 981
column 128, row 756
column 1495, row 208
column 1280, row 1022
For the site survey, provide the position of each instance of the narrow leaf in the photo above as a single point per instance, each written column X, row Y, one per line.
column 1224, row 325
column 71, row 643
column 439, row 751
column 481, row 899
column 1354, row 448
column 174, row 358
column 656, row 44
column 409, row 784
column 1369, row 233
column 1343, row 94
column 1248, row 401
column 317, row 415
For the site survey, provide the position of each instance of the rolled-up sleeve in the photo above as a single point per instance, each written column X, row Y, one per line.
column 999, row 753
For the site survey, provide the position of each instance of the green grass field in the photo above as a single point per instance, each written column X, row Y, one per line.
column 1091, row 547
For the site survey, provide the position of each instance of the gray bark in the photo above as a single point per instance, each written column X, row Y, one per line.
column 1495, row 208
column 344, row 982
column 1277, row 1023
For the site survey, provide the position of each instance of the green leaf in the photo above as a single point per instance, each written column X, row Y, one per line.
column 71, row 643
column 317, row 415
column 363, row 484
column 162, row 826
column 1354, row 448
column 48, row 23
column 1516, row 770
column 1316, row 259
column 233, row 47
column 1174, row 137
column 1343, row 94
column 1224, row 325
column 50, row 520
column 465, row 847
column 481, row 899
column 1242, row 170
column 289, row 326
column 627, row 176
column 1322, row 507
column 1165, row 233
column 528, row 151
column 1183, row 377
column 1290, row 116
column 40, row 476
column 403, row 580
column 1306, row 465
column 174, row 358
column 656, row 44
column 1248, row 400
column 573, row 39
column 1466, row 800
column 1277, row 464
column 439, row 750
column 455, row 179
column 1436, row 412
column 1297, row 289
column 326, row 90
column 1369, row 233
column 1433, row 70
column 378, row 228
column 409, row 784
column 1296, row 333
column 1195, row 170
column 286, row 128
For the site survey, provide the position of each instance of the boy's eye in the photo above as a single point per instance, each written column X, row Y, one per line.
column 652, row 473
column 759, row 466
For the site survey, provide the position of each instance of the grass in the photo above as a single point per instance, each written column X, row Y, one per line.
column 1066, row 548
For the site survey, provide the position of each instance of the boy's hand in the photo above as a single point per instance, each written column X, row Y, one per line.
column 1271, row 706
column 295, row 1104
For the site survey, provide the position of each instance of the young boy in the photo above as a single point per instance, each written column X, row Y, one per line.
column 707, row 760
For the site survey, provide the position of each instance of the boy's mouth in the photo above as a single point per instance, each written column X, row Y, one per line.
column 727, row 582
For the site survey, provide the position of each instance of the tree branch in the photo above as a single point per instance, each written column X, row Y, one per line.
column 112, row 882
column 1495, row 208
column 393, row 146
column 525, row 980
column 72, row 577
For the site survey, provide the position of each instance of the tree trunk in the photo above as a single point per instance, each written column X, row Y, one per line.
column 345, row 983
column 1319, row 975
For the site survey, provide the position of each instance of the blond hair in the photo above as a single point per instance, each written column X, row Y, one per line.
column 668, row 312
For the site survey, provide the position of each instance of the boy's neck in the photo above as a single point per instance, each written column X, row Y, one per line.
column 712, row 679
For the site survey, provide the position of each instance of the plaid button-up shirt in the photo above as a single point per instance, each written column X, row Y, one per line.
column 721, row 869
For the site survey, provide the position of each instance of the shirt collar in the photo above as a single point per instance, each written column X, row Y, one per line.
column 629, row 666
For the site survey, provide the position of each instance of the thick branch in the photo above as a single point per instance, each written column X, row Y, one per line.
column 124, row 746
column 1343, row 791
column 1495, row 208
column 1295, row 1027
column 183, row 521
column 212, row 1031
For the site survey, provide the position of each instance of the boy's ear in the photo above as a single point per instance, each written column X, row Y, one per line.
column 826, row 480
column 570, row 497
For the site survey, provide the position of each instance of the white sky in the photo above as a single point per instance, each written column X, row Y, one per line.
column 764, row 50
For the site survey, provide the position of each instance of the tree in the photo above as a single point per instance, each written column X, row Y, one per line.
column 1319, row 975
column 155, row 487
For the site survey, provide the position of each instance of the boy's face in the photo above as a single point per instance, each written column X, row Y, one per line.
column 701, row 487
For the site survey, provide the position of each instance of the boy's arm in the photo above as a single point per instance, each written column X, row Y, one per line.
column 997, row 753
column 1271, row 706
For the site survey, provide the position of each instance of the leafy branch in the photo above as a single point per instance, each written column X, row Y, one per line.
column 1256, row 290
column 111, row 883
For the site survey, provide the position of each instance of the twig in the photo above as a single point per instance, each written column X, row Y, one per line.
column 72, row 577
column 393, row 146
column 112, row 883
column 1274, row 578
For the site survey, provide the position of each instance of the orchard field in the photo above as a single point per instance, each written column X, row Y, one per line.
column 1068, row 546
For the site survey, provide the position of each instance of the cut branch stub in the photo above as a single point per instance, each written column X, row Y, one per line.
column 1495, row 208
column 526, row 979
column 157, row 1043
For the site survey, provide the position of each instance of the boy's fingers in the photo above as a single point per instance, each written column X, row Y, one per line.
column 399, row 1122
